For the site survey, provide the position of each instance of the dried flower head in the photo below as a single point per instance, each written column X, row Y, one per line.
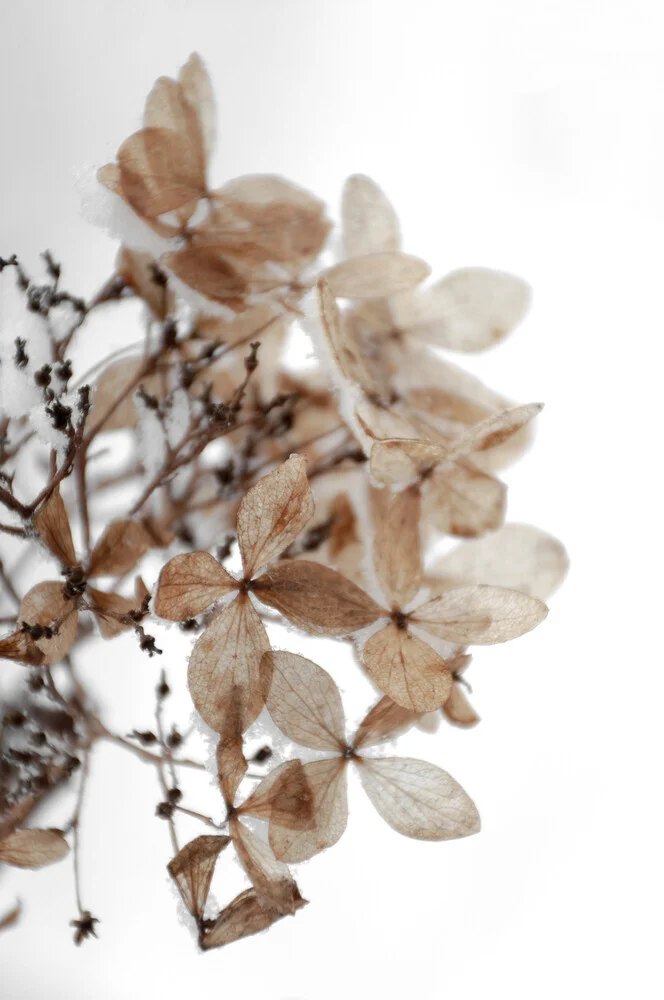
column 328, row 483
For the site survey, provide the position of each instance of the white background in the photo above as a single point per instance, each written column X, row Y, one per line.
column 522, row 135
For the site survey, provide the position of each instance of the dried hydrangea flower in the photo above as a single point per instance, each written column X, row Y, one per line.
column 415, row 798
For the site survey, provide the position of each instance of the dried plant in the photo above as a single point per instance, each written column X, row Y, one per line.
column 336, row 479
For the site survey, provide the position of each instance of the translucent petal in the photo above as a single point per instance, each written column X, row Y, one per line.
column 303, row 701
column 418, row 799
column 273, row 513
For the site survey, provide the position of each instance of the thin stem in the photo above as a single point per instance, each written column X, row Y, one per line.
column 73, row 825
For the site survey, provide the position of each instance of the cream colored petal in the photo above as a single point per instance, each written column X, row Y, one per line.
column 418, row 799
column 370, row 224
column 480, row 615
column 376, row 275
column 517, row 556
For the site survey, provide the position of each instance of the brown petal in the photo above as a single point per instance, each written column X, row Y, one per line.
column 10, row 919
column 19, row 647
column 159, row 172
column 190, row 583
column 120, row 547
column 418, row 799
column 397, row 556
column 304, row 701
column 167, row 107
column 407, row 670
column 46, row 605
column 370, row 224
column 316, row 599
column 197, row 87
column 495, row 429
column 52, row 525
column 463, row 501
column 137, row 269
column 192, row 869
column 402, row 461
column 376, row 275
column 283, row 797
column 480, row 615
column 244, row 916
column 208, row 271
column 458, row 709
column 385, row 721
column 273, row 513
column 231, row 762
column 327, row 780
column 228, row 655
column 517, row 556
column 273, row 882
column 106, row 607
column 33, row 848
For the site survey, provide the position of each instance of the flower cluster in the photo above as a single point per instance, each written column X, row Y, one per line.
column 335, row 479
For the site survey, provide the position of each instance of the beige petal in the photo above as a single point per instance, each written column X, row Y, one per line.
column 402, row 461
column 52, row 525
column 517, row 556
column 228, row 655
column 243, row 916
column 376, row 275
column 190, row 583
column 327, row 779
column 283, row 797
column 192, row 869
column 458, row 709
column 160, row 172
column 197, row 87
column 382, row 421
column 273, row 513
column 480, row 615
column 345, row 349
column 208, row 271
column 19, row 647
column 273, row 882
column 370, row 224
column 494, row 430
column 463, row 501
column 304, row 701
column 120, row 547
column 407, row 670
column 397, row 555
column 46, row 605
column 384, row 721
column 418, row 799
column 316, row 599
column 106, row 607
column 468, row 310
column 33, row 848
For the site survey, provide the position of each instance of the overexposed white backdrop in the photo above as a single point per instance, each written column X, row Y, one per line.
column 526, row 136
